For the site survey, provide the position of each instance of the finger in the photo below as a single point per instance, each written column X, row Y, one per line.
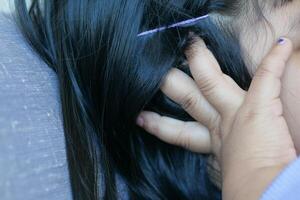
column 183, row 90
column 189, row 135
column 224, row 95
column 266, row 84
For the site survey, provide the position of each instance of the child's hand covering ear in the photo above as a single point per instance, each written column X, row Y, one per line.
column 245, row 130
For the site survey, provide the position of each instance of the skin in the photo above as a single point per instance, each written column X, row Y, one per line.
column 282, row 21
column 291, row 97
column 258, row 34
column 280, row 116
column 249, row 159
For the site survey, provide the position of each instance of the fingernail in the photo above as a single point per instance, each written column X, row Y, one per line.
column 140, row 121
column 281, row 41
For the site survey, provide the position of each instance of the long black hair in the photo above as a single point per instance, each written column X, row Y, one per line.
column 107, row 75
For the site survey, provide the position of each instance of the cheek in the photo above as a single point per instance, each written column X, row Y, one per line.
column 286, row 22
column 255, row 47
column 290, row 97
column 294, row 35
column 258, row 37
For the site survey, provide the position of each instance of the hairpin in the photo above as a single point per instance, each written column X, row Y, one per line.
column 179, row 24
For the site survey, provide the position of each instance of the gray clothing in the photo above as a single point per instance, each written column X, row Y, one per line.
column 32, row 148
column 33, row 161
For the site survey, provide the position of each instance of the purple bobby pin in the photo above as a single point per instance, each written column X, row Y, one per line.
column 179, row 24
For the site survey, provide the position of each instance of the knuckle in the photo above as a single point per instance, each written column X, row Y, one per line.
column 263, row 71
column 268, row 64
column 170, row 79
column 250, row 112
column 273, row 58
column 275, row 107
column 181, row 139
column 213, row 123
column 208, row 86
column 190, row 101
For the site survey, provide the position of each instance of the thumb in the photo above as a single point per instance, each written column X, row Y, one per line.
column 266, row 84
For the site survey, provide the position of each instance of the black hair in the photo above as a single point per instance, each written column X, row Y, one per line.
column 107, row 75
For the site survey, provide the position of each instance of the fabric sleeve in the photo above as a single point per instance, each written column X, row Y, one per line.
column 286, row 185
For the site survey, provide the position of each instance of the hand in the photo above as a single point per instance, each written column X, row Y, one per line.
column 259, row 144
column 200, row 98
column 247, row 131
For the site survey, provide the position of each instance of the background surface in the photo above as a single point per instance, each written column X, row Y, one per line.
column 4, row 5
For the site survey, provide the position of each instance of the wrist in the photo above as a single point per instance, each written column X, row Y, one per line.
column 250, row 185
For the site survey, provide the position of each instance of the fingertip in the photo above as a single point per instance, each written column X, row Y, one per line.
column 276, row 59
column 285, row 45
column 171, row 78
column 266, row 84
column 284, row 41
column 195, row 47
column 281, row 41
column 199, row 55
column 146, row 119
column 140, row 121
